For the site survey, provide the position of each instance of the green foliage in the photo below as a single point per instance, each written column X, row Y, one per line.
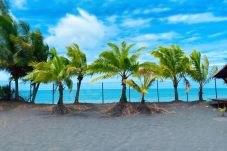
column 199, row 71
column 54, row 70
column 172, row 62
column 145, row 78
column 5, row 92
column 116, row 61
column 78, row 61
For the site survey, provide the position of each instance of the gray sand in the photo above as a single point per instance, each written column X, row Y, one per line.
column 189, row 129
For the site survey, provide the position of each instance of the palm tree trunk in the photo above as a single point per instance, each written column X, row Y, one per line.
column 200, row 93
column 142, row 99
column 78, row 90
column 35, row 90
column 16, row 89
column 123, row 98
column 10, row 93
column 60, row 100
column 175, row 85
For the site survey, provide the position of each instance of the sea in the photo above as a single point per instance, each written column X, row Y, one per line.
column 113, row 95
column 110, row 92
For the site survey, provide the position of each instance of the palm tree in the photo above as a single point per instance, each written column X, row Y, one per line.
column 15, row 47
column 172, row 64
column 199, row 71
column 145, row 78
column 54, row 70
column 117, row 61
column 77, row 66
column 40, row 53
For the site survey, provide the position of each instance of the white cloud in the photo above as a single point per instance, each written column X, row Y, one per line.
column 156, row 37
column 136, row 22
column 20, row 4
column 148, row 11
column 191, row 39
column 194, row 18
column 157, row 10
column 210, row 49
column 112, row 18
column 84, row 29
column 216, row 34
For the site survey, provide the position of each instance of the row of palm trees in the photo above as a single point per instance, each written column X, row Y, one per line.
column 25, row 55
column 121, row 61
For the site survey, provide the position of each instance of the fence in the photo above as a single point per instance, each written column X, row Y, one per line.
column 108, row 92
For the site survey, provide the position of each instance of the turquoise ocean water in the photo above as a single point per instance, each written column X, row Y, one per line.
column 92, row 92
column 113, row 95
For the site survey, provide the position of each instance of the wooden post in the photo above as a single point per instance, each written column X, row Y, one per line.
column 102, row 94
column 53, row 94
column 158, row 91
column 129, row 94
column 187, row 96
column 30, row 95
column 10, row 91
column 216, row 92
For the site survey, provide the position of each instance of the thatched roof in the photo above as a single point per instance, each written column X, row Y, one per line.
column 222, row 73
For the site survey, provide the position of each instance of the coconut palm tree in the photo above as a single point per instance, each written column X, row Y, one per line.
column 172, row 64
column 199, row 71
column 15, row 46
column 117, row 61
column 54, row 70
column 145, row 78
column 40, row 53
column 77, row 66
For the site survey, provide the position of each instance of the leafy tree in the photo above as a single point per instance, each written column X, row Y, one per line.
column 172, row 64
column 18, row 47
column 117, row 61
column 40, row 53
column 199, row 71
column 54, row 70
column 145, row 78
column 18, row 55
column 77, row 66
column 15, row 49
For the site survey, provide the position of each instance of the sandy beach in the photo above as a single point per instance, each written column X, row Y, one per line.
column 186, row 127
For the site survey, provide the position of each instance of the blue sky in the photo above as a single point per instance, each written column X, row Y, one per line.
column 192, row 24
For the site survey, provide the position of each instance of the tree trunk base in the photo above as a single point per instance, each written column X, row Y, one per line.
column 60, row 109
column 122, row 102
column 76, row 102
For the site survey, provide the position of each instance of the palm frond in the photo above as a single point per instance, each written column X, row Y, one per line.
column 105, row 76
column 132, row 84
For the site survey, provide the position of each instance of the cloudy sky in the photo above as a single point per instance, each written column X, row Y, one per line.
column 192, row 24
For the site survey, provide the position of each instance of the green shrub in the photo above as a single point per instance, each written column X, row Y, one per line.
column 5, row 92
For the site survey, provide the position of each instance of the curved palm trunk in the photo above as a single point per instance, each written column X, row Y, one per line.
column 142, row 99
column 10, row 93
column 60, row 100
column 16, row 89
column 123, row 98
column 175, row 85
column 35, row 90
column 80, row 78
column 200, row 93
